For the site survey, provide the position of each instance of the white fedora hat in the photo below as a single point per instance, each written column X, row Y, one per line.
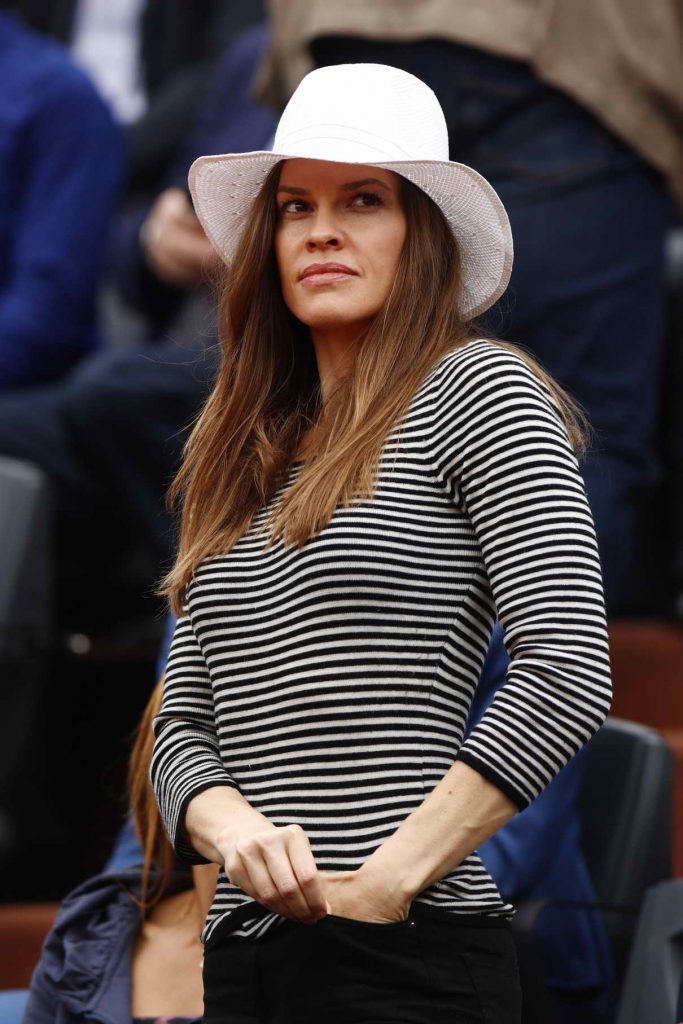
column 380, row 116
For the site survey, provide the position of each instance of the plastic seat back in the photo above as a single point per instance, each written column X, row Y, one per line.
column 655, row 970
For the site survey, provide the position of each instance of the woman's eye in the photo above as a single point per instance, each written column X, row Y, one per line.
column 293, row 206
column 361, row 200
column 366, row 199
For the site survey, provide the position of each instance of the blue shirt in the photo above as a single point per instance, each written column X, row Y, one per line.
column 538, row 856
column 62, row 163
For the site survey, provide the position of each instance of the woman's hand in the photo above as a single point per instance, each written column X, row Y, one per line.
column 276, row 867
column 364, row 897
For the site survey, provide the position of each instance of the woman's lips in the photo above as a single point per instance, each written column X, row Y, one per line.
column 326, row 273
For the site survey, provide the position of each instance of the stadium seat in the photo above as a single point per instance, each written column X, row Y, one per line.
column 626, row 809
column 23, row 927
column 655, row 970
column 25, row 594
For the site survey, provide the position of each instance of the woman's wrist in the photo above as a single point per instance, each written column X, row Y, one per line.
column 242, row 823
column 385, row 872
column 215, row 819
column 462, row 811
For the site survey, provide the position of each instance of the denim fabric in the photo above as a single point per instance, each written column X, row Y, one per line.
column 538, row 856
column 162, row 657
column 127, row 851
column 84, row 972
column 109, row 436
column 12, row 1006
column 587, row 291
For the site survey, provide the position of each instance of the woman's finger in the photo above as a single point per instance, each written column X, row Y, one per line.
column 306, row 872
column 258, row 882
column 261, row 867
column 277, row 868
column 283, row 849
column 288, row 886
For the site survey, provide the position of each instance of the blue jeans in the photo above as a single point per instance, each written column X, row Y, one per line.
column 12, row 1006
column 587, row 291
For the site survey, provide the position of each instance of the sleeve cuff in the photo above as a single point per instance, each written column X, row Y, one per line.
column 181, row 841
column 494, row 777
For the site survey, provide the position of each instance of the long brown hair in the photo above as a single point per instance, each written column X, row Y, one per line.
column 267, row 393
column 159, row 860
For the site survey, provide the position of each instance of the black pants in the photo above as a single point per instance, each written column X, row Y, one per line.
column 434, row 968
column 109, row 437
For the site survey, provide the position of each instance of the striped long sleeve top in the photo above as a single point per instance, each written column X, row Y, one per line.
column 331, row 684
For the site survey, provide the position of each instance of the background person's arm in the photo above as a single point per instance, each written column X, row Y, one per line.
column 72, row 164
column 229, row 120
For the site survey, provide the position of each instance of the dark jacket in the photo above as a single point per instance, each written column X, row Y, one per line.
column 180, row 42
column 84, row 972
column 61, row 170
column 175, row 34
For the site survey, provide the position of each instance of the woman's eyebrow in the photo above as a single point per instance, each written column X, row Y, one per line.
column 349, row 186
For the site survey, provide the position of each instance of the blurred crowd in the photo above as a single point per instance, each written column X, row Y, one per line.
column 108, row 330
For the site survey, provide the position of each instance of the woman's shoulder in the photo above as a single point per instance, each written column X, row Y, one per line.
column 477, row 359
column 477, row 369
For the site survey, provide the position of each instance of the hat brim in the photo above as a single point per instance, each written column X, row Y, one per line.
column 223, row 187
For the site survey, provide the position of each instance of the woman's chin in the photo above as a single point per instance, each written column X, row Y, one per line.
column 333, row 318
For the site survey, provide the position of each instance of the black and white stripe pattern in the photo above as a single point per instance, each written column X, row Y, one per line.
column 332, row 684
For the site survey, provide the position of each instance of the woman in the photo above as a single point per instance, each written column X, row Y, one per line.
column 370, row 483
column 125, row 945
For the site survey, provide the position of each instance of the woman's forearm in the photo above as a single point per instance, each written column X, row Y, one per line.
column 461, row 812
column 216, row 817
column 274, row 865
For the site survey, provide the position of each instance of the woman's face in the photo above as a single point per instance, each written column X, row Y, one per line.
column 338, row 239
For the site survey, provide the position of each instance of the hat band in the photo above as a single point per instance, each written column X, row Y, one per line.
column 346, row 144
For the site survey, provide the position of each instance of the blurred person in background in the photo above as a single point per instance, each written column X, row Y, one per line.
column 109, row 435
column 125, row 945
column 153, row 61
column 61, row 172
column 574, row 112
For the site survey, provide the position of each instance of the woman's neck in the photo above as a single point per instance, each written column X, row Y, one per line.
column 335, row 350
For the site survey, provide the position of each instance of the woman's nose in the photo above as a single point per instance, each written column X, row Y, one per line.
column 323, row 233
column 322, row 242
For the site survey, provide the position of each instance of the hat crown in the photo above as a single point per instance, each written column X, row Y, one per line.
column 362, row 113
